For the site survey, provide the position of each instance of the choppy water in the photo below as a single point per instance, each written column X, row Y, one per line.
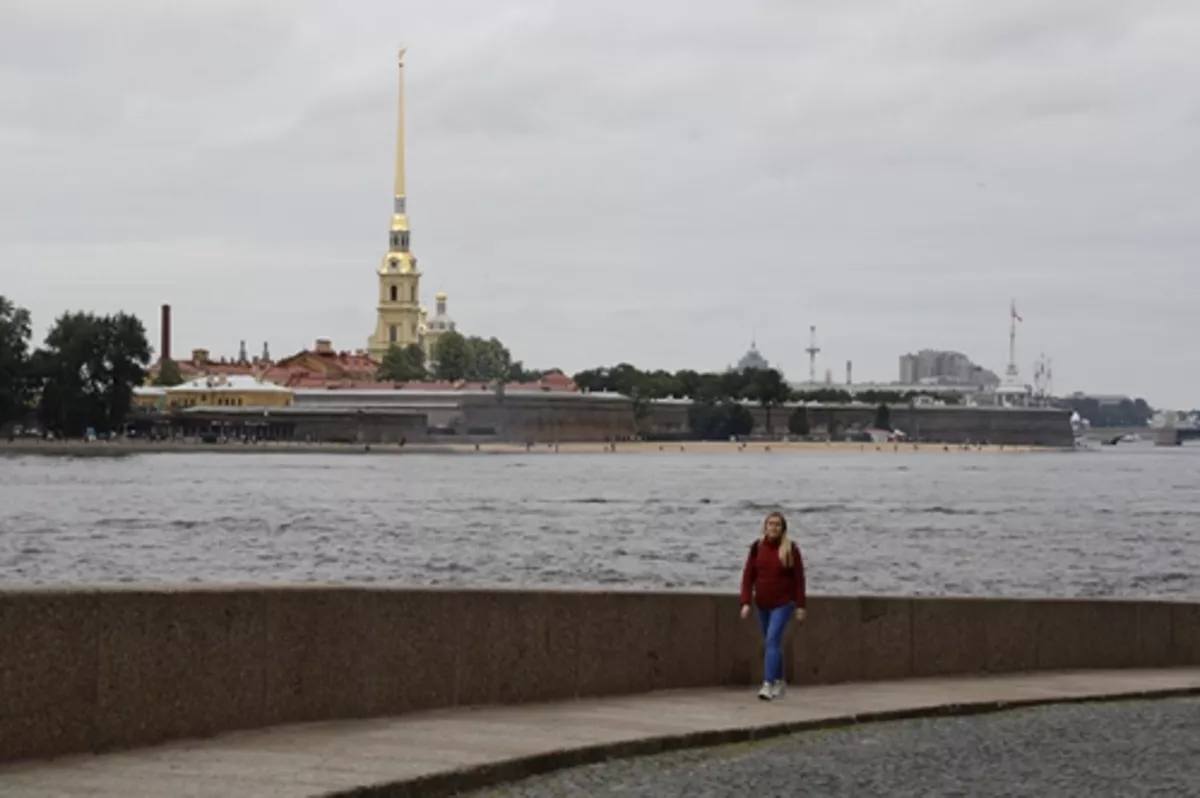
column 1118, row 522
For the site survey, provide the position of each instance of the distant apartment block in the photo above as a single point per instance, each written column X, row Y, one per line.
column 940, row 367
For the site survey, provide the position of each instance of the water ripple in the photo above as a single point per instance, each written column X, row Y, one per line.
column 1116, row 523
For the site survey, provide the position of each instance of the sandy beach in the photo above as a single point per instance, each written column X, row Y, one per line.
column 131, row 448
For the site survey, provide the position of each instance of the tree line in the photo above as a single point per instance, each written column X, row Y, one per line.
column 455, row 357
column 1125, row 413
column 717, row 409
column 81, row 378
column 760, row 385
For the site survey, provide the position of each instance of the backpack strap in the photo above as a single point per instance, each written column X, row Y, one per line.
column 795, row 552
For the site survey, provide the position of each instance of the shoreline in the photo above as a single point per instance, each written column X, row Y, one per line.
column 119, row 449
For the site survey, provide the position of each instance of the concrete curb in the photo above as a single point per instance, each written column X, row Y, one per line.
column 454, row 782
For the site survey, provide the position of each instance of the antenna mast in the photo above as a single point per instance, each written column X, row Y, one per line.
column 812, row 351
column 1011, row 372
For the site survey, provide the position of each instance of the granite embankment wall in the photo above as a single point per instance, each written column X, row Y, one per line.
column 92, row 670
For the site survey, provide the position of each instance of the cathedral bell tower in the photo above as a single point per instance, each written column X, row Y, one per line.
column 398, row 314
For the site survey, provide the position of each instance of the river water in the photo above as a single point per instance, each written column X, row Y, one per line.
column 1113, row 522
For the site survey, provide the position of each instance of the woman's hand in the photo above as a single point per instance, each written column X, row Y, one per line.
column 801, row 615
column 745, row 611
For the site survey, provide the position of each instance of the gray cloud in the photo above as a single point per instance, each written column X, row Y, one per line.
column 594, row 184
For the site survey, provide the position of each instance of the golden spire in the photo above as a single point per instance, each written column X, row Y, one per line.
column 399, row 189
column 399, row 258
column 399, row 316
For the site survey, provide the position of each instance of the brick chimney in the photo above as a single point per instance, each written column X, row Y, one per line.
column 164, row 345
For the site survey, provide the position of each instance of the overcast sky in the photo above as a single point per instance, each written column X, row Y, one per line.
column 594, row 182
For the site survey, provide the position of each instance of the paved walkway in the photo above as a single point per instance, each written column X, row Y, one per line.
column 439, row 753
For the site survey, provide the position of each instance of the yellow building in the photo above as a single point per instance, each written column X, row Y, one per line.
column 398, row 314
column 149, row 397
column 214, row 391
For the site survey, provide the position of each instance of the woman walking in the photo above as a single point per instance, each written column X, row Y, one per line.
column 773, row 581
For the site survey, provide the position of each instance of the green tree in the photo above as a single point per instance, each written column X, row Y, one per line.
column 738, row 420
column 1141, row 413
column 625, row 379
column 688, row 382
column 883, row 417
column 518, row 373
column 798, row 421
column 629, row 380
column 641, row 408
column 825, row 396
column 735, row 383
column 451, row 357
column 15, row 332
column 719, row 421
column 87, row 371
column 402, row 364
column 768, row 388
column 125, row 356
column 168, row 374
column 487, row 359
column 592, row 380
column 658, row 384
column 710, row 388
column 1125, row 413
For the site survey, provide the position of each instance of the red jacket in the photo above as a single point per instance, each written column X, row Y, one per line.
column 771, row 584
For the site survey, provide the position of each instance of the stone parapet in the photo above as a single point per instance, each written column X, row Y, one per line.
column 102, row 669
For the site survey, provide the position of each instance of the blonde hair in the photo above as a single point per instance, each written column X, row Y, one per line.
column 785, row 543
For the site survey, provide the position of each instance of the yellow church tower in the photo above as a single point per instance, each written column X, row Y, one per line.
column 399, row 311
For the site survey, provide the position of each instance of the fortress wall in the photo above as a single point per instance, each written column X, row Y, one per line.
column 1016, row 427
column 549, row 419
column 1010, row 426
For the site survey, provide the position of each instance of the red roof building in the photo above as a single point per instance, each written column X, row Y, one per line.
column 323, row 367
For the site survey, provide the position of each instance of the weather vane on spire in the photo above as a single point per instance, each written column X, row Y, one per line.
column 400, row 58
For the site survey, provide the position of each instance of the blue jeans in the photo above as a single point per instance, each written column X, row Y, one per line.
column 774, row 622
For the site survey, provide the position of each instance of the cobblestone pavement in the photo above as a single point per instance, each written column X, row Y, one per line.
column 1126, row 749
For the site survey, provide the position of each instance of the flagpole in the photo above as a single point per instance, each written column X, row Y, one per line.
column 1012, row 339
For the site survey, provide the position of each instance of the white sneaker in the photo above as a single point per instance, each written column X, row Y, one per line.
column 778, row 689
column 766, row 693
